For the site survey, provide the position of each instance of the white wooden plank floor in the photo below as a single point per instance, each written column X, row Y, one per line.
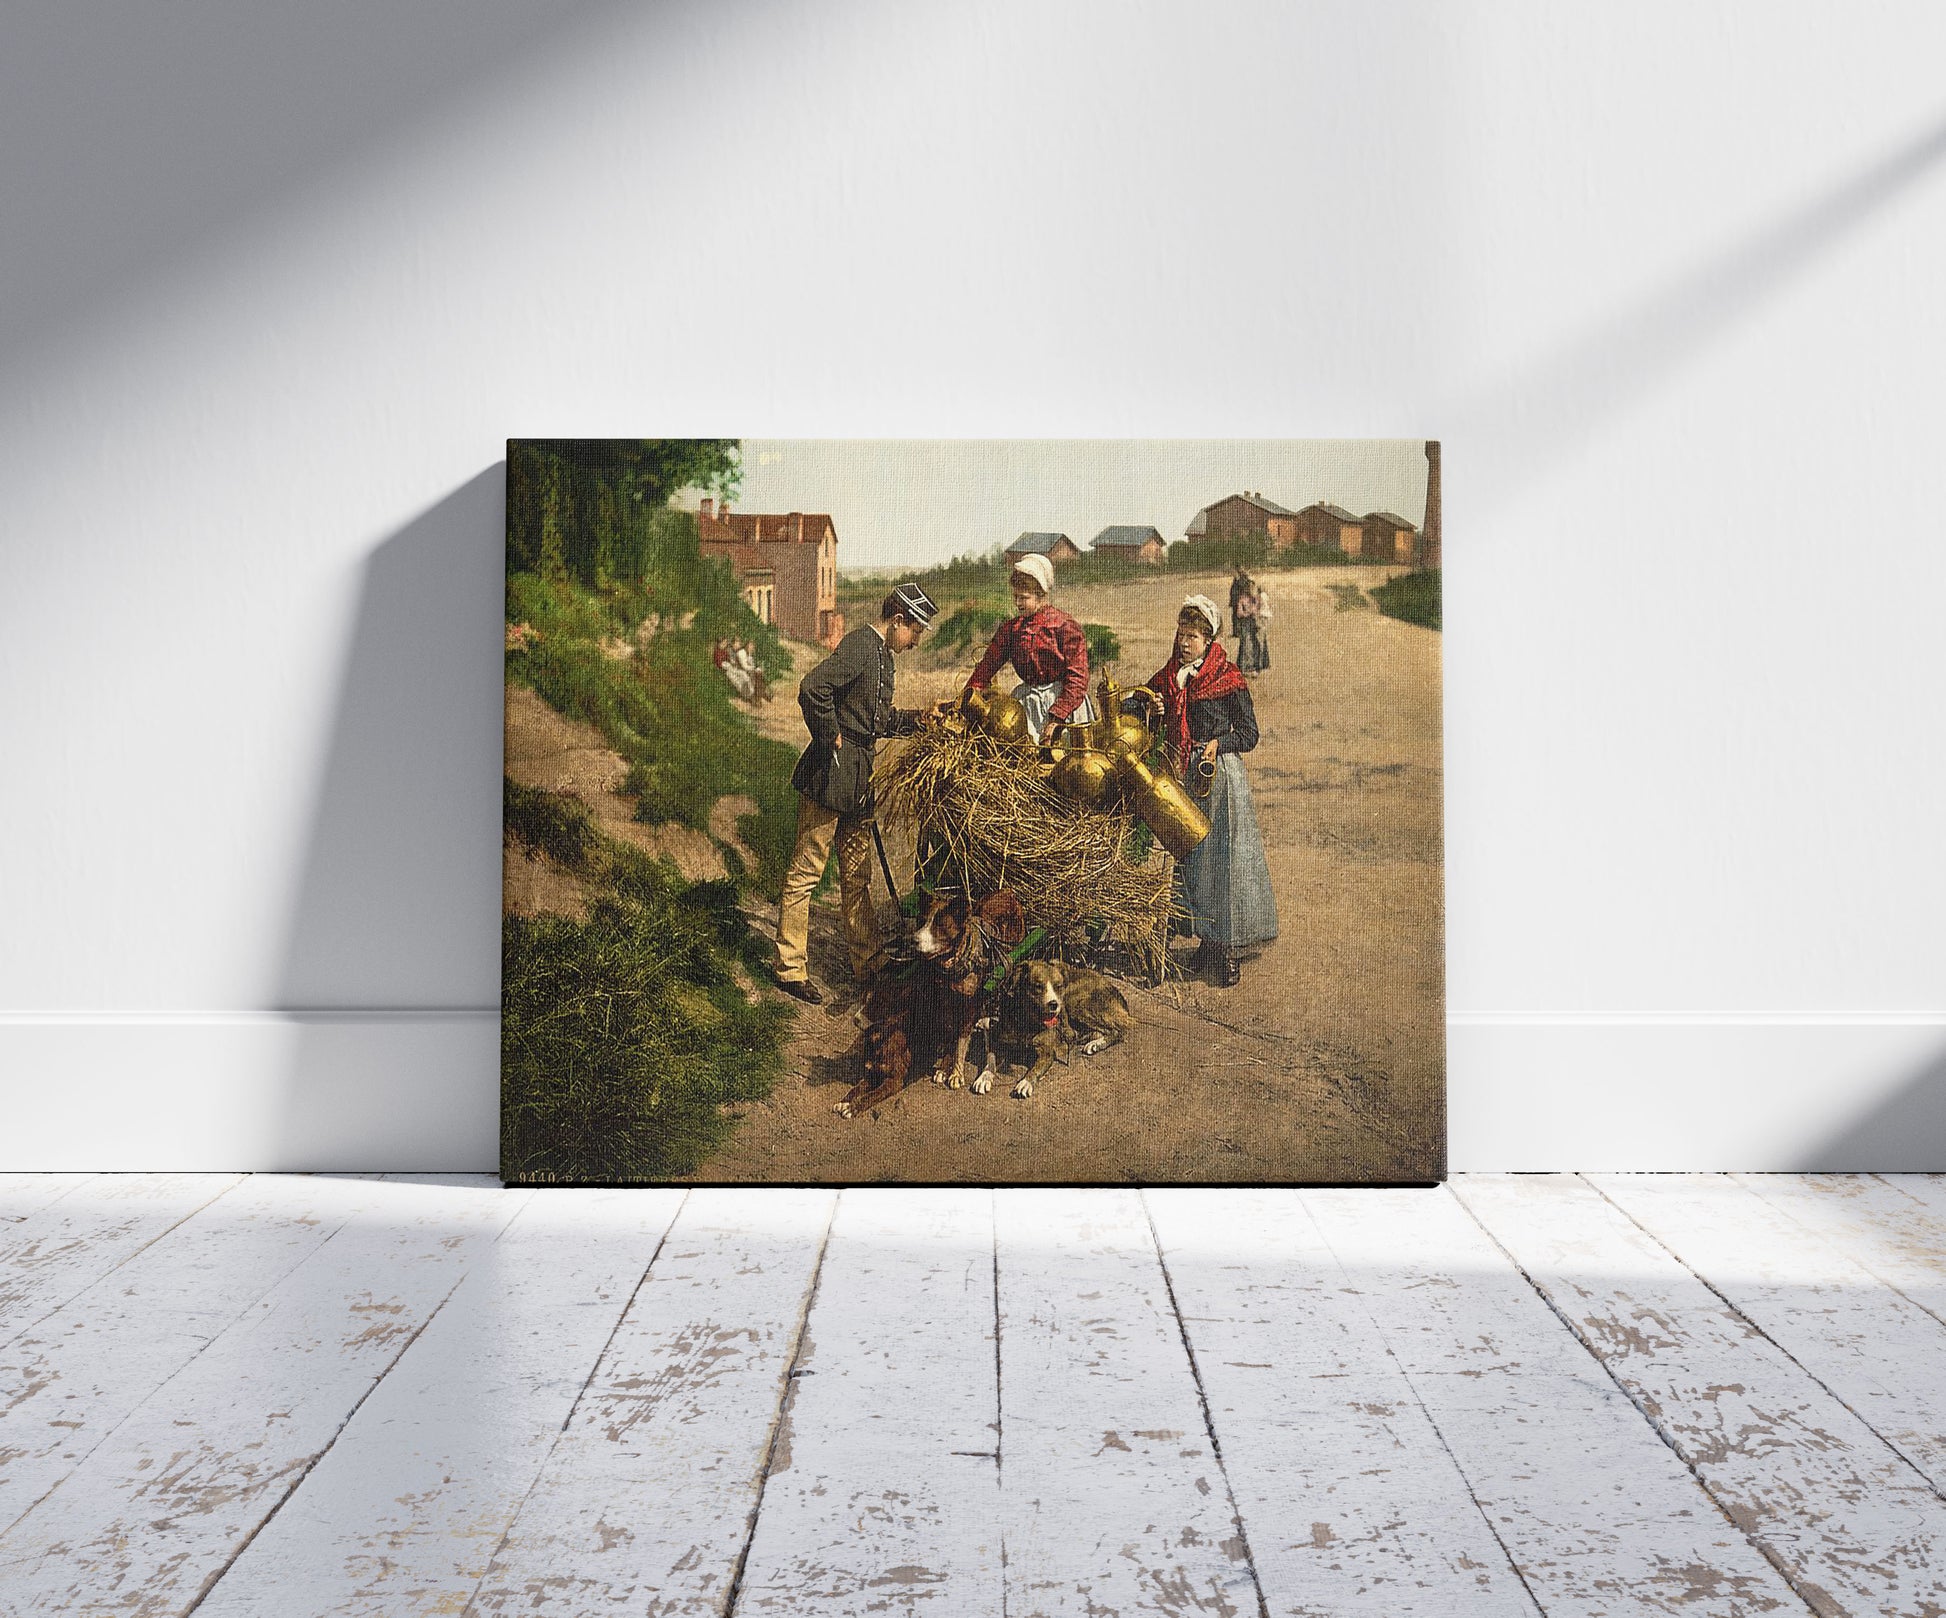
column 1519, row 1395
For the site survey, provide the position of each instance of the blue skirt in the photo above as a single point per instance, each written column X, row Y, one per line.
column 1224, row 885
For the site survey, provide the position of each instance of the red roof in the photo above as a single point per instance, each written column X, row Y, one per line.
column 764, row 528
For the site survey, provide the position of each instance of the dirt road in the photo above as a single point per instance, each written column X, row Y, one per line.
column 1327, row 1061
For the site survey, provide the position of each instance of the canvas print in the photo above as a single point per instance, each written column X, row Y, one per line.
column 1001, row 812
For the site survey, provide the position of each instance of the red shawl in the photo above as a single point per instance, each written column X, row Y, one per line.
column 1218, row 677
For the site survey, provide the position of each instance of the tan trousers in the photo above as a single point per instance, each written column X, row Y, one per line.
column 817, row 827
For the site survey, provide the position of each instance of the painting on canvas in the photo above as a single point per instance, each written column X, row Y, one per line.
column 988, row 811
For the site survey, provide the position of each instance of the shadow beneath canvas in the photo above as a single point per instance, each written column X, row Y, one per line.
column 390, row 972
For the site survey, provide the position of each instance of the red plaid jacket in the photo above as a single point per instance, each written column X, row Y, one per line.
column 1043, row 646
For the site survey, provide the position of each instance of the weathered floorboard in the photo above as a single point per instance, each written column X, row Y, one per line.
column 1351, row 1503
column 23, row 1194
column 404, row 1512
column 73, row 1377
column 156, row 1512
column 645, row 1504
column 1893, row 1224
column 1875, row 1350
column 1113, row 1499
column 1598, row 1515
column 65, row 1246
column 1850, row 1521
column 883, row 1495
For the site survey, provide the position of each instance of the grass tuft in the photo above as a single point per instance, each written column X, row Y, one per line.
column 623, row 1037
column 1413, row 597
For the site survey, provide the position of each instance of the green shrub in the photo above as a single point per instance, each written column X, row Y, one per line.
column 1413, row 597
column 622, row 1037
column 967, row 628
column 1104, row 645
column 549, row 823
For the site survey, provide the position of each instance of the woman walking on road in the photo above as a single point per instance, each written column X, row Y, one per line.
column 1249, row 613
column 1224, row 884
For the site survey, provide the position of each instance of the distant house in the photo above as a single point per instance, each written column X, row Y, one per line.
column 1134, row 544
column 1240, row 516
column 1331, row 526
column 1389, row 538
column 786, row 566
column 1056, row 548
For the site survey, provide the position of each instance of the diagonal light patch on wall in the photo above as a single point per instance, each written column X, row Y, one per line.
column 1524, row 424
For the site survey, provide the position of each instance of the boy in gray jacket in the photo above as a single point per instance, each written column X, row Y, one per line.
column 847, row 703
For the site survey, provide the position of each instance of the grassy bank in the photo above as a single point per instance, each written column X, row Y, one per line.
column 1413, row 597
column 657, row 700
column 623, row 1036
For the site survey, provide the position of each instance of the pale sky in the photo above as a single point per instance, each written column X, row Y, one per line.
column 906, row 503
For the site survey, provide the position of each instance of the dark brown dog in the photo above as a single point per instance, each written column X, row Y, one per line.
column 1045, row 1008
column 920, row 1018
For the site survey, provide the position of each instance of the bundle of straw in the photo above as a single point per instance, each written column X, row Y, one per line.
column 1001, row 826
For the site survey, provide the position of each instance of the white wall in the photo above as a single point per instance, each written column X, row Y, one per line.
column 278, row 282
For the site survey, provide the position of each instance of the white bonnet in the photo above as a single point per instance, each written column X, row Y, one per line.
column 1207, row 608
column 1039, row 569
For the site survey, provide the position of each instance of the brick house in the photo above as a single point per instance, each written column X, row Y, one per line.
column 1131, row 543
column 1389, row 538
column 1331, row 526
column 786, row 567
column 1057, row 548
column 1240, row 516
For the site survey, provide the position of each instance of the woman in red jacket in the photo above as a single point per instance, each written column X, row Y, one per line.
column 1047, row 648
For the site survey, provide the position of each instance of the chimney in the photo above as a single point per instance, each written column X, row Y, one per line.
column 708, row 508
column 1430, row 528
column 797, row 526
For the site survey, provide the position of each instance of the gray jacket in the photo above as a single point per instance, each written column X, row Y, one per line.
column 848, row 694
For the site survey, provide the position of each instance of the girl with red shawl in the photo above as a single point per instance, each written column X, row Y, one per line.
column 1224, row 884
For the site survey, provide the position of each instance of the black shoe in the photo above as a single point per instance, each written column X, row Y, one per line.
column 1230, row 970
column 799, row 989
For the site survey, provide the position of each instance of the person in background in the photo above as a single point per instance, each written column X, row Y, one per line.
column 1046, row 647
column 1249, row 607
column 1224, row 884
column 723, row 655
column 745, row 658
column 847, row 703
column 1239, row 586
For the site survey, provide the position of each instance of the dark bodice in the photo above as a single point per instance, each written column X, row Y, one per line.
column 1232, row 720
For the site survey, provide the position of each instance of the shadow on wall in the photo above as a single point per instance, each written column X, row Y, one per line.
column 202, row 116
column 1906, row 1134
column 391, row 963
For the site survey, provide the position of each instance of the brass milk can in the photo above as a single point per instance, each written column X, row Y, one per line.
column 1163, row 804
column 998, row 715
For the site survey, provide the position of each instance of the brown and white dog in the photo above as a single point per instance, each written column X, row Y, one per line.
column 921, row 1018
column 1045, row 1008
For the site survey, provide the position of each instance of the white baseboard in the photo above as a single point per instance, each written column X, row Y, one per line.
column 419, row 1090
column 281, row 1091
column 1837, row 1092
